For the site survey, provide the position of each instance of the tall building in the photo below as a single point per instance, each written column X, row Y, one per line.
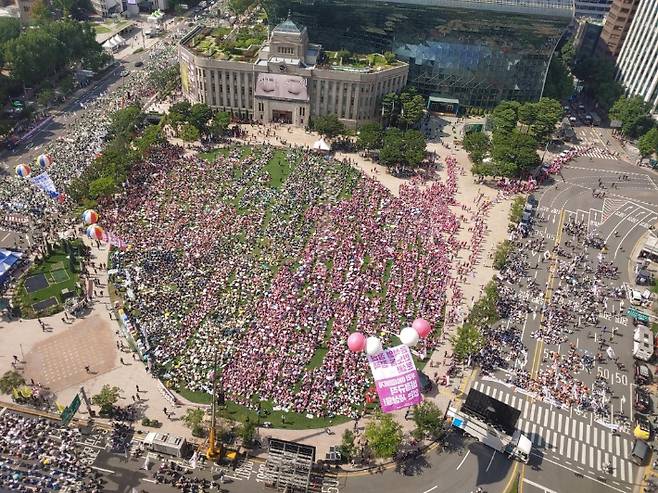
column 587, row 37
column 616, row 25
column 638, row 59
column 478, row 52
column 592, row 9
column 283, row 77
column 106, row 8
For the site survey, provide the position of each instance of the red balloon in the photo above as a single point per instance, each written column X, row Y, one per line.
column 423, row 327
column 356, row 342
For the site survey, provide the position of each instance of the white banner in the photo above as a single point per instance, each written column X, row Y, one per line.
column 45, row 183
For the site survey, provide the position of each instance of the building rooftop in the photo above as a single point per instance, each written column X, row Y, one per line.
column 281, row 86
column 356, row 62
column 287, row 26
column 240, row 44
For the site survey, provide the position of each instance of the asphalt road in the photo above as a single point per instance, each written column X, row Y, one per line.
column 571, row 448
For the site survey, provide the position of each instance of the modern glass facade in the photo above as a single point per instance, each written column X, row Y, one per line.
column 480, row 51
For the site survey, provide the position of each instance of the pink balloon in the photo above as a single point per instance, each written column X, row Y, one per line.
column 356, row 342
column 422, row 326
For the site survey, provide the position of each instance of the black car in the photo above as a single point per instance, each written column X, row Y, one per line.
column 643, row 374
column 139, row 64
column 642, row 402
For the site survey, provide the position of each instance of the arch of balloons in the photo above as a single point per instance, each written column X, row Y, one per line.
column 409, row 336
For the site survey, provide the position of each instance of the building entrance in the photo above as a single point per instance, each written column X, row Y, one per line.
column 281, row 116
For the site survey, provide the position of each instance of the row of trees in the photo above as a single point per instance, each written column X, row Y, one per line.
column 49, row 50
column 128, row 144
column 192, row 121
column 519, row 129
column 398, row 149
column 468, row 339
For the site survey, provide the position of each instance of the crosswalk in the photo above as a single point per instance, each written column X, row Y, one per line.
column 610, row 206
column 578, row 443
column 595, row 152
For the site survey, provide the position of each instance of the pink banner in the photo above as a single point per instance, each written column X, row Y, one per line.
column 396, row 379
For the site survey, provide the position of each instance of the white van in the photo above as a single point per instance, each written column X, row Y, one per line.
column 642, row 343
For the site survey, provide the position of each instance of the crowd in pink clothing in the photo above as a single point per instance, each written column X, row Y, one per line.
column 271, row 280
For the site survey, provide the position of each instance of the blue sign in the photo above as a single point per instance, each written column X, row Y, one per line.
column 458, row 422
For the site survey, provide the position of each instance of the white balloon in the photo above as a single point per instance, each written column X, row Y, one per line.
column 409, row 336
column 373, row 346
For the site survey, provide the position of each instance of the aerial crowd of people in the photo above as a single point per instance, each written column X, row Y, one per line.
column 265, row 260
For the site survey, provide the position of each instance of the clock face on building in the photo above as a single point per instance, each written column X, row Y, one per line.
column 283, row 67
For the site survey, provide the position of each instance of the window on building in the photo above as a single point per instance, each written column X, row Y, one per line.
column 261, row 107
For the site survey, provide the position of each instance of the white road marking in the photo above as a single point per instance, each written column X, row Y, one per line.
column 431, row 489
column 107, row 471
column 536, row 485
column 492, row 458
column 463, row 460
column 629, row 232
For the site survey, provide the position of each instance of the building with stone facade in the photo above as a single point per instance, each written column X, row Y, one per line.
column 286, row 78
column 616, row 26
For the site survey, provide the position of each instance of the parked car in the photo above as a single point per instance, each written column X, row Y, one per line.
column 640, row 452
column 643, row 374
column 642, row 402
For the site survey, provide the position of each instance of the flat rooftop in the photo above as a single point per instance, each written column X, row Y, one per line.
column 240, row 44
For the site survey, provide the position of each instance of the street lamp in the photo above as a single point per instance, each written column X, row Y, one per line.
column 212, row 451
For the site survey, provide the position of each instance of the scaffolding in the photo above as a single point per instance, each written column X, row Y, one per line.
column 288, row 466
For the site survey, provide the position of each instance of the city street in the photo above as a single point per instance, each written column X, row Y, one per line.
column 566, row 440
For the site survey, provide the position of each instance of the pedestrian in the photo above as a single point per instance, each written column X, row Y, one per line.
column 137, row 387
column 87, row 369
column 121, row 359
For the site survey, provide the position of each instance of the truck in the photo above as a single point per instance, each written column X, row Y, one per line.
column 493, row 423
column 643, row 343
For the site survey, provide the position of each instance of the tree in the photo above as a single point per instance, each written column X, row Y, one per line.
column 46, row 96
column 384, row 435
column 183, row 108
column 501, row 254
column 504, row 119
column 634, row 115
column 10, row 380
column 347, row 447
column 329, row 126
column 343, row 55
column 389, row 56
column 370, row 136
column 559, row 81
column 247, row 433
column 106, row 398
column 541, row 117
column 10, row 28
column 514, row 153
column 467, row 341
column 40, row 12
column 413, row 106
column 193, row 419
column 568, row 52
column 200, row 115
column 429, row 420
column 648, row 143
column 219, row 124
column 477, row 144
column 102, row 187
column 598, row 76
column 125, row 121
column 189, row 133
column 402, row 149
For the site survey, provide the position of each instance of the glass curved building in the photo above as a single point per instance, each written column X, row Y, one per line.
column 478, row 52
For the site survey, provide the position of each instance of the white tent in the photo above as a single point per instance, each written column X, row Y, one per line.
column 321, row 145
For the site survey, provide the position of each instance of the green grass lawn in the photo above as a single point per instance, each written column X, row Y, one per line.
column 101, row 29
column 278, row 168
column 238, row 413
column 57, row 271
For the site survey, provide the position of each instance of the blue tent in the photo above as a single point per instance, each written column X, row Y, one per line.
column 7, row 261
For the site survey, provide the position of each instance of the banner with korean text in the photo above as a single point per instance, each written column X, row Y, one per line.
column 396, row 379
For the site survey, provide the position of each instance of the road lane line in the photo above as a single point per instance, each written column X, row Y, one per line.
column 553, row 421
column 431, row 489
column 490, row 462
column 629, row 231
column 559, row 464
column 538, row 486
column 591, row 458
column 568, row 448
column 463, row 460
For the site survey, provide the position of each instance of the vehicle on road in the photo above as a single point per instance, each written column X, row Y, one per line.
column 642, row 402
column 493, row 423
column 640, row 452
column 139, row 63
column 643, row 343
column 643, row 374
